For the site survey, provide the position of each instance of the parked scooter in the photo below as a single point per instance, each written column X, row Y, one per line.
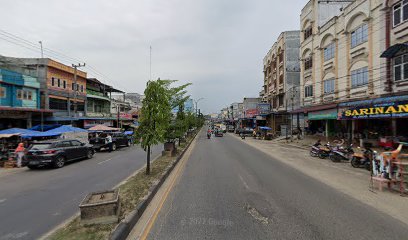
column 340, row 153
column 242, row 135
column 325, row 151
column 314, row 151
column 208, row 135
column 363, row 159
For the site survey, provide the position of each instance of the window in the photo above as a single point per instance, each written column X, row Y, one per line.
column 281, row 100
column 82, row 88
column 308, row 32
column 2, row 92
column 308, row 62
column 359, row 35
column 63, row 144
column 58, row 104
column 359, row 77
column 401, row 67
column 309, row 91
column 329, row 86
column 24, row 95
column 52, row 82
column 59, row 82
column 73, row 86
column 19, row 94
column 76, row 143
column 64, row 84
column 329, row 51
column 400, row 12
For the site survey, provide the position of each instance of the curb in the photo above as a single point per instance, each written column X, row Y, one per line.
column 123, row 229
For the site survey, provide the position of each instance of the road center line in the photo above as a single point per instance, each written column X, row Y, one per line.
column 243, row 181
column 2, row 200
column 107, row 160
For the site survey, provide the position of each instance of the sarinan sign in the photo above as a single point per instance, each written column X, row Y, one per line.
column 381, row 110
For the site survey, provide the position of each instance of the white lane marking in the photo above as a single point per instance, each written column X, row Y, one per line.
column 13, row 236
column 107, row 160
column 2, row 200
column 245, row 184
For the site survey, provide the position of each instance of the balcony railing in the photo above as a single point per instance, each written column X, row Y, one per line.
column 95, row 93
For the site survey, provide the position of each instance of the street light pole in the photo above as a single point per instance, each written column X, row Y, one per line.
column 196, row 103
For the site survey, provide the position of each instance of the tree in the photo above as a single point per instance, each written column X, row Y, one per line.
column 155, row 115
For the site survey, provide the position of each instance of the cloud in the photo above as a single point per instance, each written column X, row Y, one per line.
column 218, row 45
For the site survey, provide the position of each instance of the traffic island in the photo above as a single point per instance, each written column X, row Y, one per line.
column 135, row 194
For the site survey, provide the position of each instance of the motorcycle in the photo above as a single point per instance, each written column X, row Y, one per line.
column 242, row 135
column 208, row 135
column 314, row 151
column 340, row 153
column 325, row 151
column 363, row 159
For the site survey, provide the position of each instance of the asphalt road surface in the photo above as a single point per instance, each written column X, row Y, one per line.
column 229, row 190
column 33, row 202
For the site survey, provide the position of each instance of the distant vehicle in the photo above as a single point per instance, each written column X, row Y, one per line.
column 223, row 128
column 119, row 139
column 246, row 130
column 230, row 128
column 56, row 153
column 218, row 133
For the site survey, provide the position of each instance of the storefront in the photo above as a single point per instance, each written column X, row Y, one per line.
column 377, row 118
column 323, row 122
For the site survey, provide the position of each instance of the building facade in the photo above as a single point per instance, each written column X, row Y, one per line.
column 19, row 100
column 59, row 91
column 346, row 68
column 281, row 69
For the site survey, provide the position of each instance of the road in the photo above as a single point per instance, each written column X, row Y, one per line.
column 33, row 202
column 229, row 190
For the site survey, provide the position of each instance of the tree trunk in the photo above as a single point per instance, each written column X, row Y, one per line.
column 148, row 161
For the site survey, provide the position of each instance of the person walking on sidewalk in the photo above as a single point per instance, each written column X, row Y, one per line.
column 20, row 154
column 109, row 140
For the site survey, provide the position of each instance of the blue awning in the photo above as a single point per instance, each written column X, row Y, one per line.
column 265, row 128
column 375, row 101
column 64, row 129
column 393, row 50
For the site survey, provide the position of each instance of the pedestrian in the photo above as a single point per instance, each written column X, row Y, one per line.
column 109, row 140
column 20, row 153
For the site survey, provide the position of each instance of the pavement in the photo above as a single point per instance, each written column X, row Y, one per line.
column 240, row 189
column 33, row 202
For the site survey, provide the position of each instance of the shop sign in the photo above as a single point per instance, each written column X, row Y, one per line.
column 382, row 110
column 91, row 123
column 263, row 108
column 125, row 115
column 323, row 115
column 251, row 113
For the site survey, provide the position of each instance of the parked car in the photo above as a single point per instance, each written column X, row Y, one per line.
column 230, row 128
column 119, row 139
column 56, row 153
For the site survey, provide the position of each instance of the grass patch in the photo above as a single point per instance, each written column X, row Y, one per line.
column 131, row 194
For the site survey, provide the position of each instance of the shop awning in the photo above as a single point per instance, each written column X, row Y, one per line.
column 393, row 50
column 374, row 101
column 265, row 128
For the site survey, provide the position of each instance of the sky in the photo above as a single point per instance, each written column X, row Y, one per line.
column 217, row 45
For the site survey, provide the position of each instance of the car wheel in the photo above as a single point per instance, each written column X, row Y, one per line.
column 89, row 154
column 59, row 162
column 127, row 144
column 113, row 146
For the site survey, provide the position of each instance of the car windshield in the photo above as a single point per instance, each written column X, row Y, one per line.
column 40, row 146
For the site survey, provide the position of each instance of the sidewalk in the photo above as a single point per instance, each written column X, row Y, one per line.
column 8, row 171
column 341, row 176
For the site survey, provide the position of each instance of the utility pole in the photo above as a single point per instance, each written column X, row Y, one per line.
column 42, row 113
column 150, row 62
column 76, row 86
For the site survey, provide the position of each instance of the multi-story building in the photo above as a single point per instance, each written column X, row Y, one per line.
column 344, row 79
column 281, row 69
column 19, row 100
column 60, row 92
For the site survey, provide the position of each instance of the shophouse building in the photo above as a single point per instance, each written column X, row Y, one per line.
column 59, row 91
column 341, row 48
column 281, row 69
column 19, row 100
